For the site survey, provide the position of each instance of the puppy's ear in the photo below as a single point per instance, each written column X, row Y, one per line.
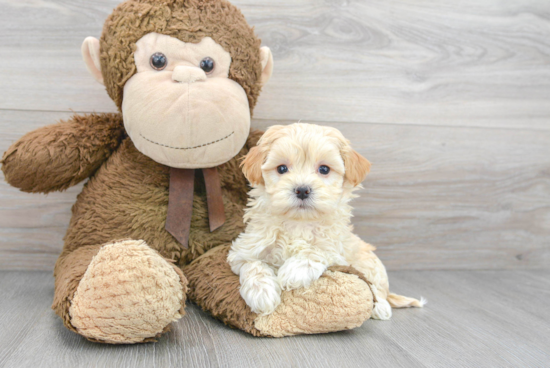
column 357, row 167
column 252, row 165
column 253, row 161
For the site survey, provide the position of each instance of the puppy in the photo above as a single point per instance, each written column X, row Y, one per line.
column 298, row 218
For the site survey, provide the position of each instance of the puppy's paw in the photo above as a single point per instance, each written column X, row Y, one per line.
column 296, row 273
column 382, row 310
column 262, row 295
column 259, row 288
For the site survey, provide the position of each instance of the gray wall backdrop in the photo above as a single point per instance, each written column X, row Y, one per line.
column 450, row 100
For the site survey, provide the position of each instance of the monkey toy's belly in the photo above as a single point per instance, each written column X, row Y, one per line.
column 127, row 198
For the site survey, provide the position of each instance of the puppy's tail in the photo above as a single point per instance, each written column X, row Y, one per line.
column 400, row 301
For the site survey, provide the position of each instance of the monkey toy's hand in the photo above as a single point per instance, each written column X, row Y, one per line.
column 58, row 156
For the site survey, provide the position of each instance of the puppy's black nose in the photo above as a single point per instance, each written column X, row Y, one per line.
column 303, row 192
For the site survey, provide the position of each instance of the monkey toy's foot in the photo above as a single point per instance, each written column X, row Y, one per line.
column 128, row 294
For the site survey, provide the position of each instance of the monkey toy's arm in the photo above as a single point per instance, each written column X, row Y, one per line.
column 58, row 156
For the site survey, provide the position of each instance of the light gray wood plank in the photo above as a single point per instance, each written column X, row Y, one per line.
column 26, row 299
column 436, row 198
column 473, row 319
column 477, row 317
column 432, row 62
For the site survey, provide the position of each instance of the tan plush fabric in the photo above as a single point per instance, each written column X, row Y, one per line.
column 129, row 293
column 353, row 271
column 196, row 124
column 90, row 54
column 336, row 301
column 339, row 300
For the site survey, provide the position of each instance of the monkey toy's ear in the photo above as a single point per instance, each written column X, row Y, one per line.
column 266, row 58
column 90, row 54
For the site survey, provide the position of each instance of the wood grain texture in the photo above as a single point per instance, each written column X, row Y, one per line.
column 473, row 319
column 443, row 194
column 431, row 62
column 436, row 198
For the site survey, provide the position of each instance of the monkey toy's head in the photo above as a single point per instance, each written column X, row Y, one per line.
column 186, row 75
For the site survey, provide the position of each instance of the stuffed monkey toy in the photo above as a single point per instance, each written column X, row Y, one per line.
column 165, row 194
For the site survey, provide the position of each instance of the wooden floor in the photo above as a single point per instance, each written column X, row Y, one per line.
column 473, row 319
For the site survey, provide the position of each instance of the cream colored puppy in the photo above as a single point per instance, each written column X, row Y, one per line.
column 298, row 218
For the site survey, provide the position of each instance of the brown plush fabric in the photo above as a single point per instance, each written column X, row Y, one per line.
column 128, row 198
column 58, row 156
column 215, row 288
column 188, row 21
column 340, row 300
column 68, row 272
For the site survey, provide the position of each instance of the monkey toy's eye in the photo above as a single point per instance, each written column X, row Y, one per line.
column 282, row 169
column 158, row 61
column 207, row 64
column 324, row 170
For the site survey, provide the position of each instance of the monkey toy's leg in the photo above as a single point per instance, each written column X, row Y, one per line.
column 122, row 292
column 340, row 299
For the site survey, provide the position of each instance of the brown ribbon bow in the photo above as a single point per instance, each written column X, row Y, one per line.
column 180, row 202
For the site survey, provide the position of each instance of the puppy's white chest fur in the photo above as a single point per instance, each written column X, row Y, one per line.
column 306, row 240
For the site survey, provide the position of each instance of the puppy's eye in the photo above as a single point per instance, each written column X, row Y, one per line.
column 324, row 170
column 207, row 64
column 282, row 169
column 158, row 61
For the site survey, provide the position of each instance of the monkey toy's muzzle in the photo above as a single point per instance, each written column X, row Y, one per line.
column 182, row 119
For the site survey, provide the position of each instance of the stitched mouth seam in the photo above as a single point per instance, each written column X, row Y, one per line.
column 187, row 148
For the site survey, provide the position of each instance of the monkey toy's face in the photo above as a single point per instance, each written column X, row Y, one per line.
column 180, row 108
